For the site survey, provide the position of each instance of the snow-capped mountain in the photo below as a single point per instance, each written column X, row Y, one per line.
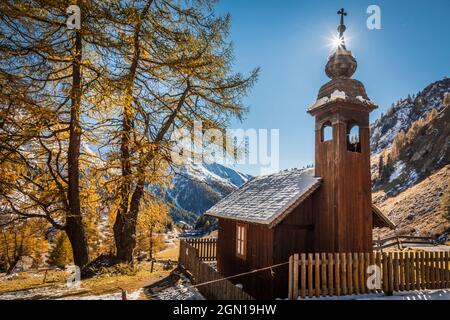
column 197, row 187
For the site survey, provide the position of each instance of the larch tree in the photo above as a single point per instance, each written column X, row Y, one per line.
column 53, row 70
column 176, row 68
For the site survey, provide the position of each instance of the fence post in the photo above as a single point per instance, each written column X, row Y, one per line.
column 295, row 274
column 291, row 278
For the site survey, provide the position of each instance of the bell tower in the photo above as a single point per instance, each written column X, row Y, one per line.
column 342, row 156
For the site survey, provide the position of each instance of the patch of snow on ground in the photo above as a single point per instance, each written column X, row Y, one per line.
column 46, row 292
column 182, row 290
column 135, row 295
column 398, row 170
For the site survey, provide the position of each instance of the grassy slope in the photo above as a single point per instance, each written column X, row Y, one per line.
column 418, row 210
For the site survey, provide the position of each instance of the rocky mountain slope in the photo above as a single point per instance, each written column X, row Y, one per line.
column 410, row 161
column 405, row 112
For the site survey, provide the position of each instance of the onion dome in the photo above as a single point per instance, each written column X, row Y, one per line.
column 341, row 64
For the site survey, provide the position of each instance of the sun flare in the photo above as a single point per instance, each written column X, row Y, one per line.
column 336, row 42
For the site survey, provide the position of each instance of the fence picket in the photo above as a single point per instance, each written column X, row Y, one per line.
column 390, row 273
column 432, row 270
column 419, row 279
column 323, row 261
column 291, row 278
column 395, row 269
column 337, row 274
column 446, row 281
column 303, row 276
column 428, row 269
column 407, row 271
column 295, row 275
column 385, row 272
column 317, row 274
column 344, row 274
column 330, row 274
column 350, row 273
column 364, row 258
column 378, row 263
column 310, row 275
column 439, row 270
column 444, row 270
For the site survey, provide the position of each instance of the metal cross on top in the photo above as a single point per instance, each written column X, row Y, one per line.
column 342, row 13
column 342, row 27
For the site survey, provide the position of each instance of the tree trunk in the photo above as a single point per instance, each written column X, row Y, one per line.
column 74, row 223
column 151, row 242
column 126, row 239
column 125, row 224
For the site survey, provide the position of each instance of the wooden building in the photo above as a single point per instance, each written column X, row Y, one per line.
column 325, row 209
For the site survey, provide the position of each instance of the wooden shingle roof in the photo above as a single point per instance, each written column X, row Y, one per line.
column 267, row 199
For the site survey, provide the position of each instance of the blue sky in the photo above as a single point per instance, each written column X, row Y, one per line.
column 289, row 40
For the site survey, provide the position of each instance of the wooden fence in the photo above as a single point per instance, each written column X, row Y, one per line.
column 208, row 281
column 399, row 241
column 337, row 274
column 206, row 248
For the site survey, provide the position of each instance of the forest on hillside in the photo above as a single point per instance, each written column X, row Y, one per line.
column 86, row 117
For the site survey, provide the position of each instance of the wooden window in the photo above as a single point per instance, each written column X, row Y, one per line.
column 241, row 240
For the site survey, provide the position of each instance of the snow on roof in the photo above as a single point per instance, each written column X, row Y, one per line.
column 267, row 199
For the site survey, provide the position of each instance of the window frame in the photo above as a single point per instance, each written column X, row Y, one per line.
column 241, row 241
